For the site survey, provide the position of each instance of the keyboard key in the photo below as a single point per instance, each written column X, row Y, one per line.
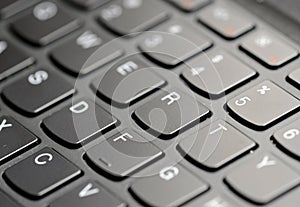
column 178, row 183
column 170, row 113
column 45, row 24
column 216, row 73
column 88, row 4
column 14, row 138
column 78, row 124
column 41, row 173
column 85, row 53
column 130, row 151
column 190, row 5
column 90, row 194
column 294, row 77
column 215, row 145
column 7, row 201
column 160, row 47
column 212, row 200
column 12, row 59
column 266, row 97
column 12, row 7
column 288, row 138
column 262, row 179
column 127, row 82
column 270, row 50
column 127, row 16
column 36, row 92
column 226, row 20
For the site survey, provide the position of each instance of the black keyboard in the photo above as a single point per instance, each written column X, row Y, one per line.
column 146, row 103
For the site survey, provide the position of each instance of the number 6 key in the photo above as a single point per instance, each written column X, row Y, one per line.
column 263, row 105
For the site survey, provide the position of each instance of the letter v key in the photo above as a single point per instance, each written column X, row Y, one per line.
column 88, row 191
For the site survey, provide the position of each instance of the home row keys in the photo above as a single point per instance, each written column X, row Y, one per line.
column 36, row 92
column 85, row 53
column 127, row 81
column 174, row 42
column 79, row 123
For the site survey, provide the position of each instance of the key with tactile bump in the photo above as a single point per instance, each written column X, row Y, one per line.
column 89, row 194
column 262, row 179
column 266, row 97
column 225, row 20
column 41, row 173
column 37, row 92
column 132, row 16
column 45, row 24
column 179, row 184
column 123, row 154
column 170, row 113
column 272, row 51
column 14, row 138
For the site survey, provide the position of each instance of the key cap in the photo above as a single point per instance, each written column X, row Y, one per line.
column 89, row 194
column 41, row 173
column 215, row 145
column 226, row 20
column 131, row 16
column 12, row 59
column 45, row 24
column 262, row 179
column 85, row 53
column 127, row 82
column 12, row 7
column 190, row 5
column 88, row 4
column 170, row 113
column 211, row 200
column 14, row 138
column 123, row 154
column 266, row 97
column 7, row 201
column 37, row 92
column 294, row 77
column 271, row 51
column 288, row 139
column 178, row 183
column 79, row 123
column 159, row 46
column 216, row 73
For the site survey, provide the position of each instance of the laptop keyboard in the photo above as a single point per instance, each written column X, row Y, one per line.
column 120, row 103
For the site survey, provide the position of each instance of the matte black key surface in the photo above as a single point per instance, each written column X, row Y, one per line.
column 37, row 92
column 289, row 138
column 78, row 124
column 85, row 53
column 88, row 4
column 170, row 113
column 190, row 5
column 215, row 73
column 6, row 201
column 266, row 97
column 90, row 194
column 272, row 51
column 41, row 173
column 225, row 19
column 160, row 46
column 127, row 82
column 295, row 78
column 173, row 186
column 126, row 16
column 12, row 59
column 262, row 179
column 215, row 145
column 123, row 154
column 51, row 21
column 14, row 138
